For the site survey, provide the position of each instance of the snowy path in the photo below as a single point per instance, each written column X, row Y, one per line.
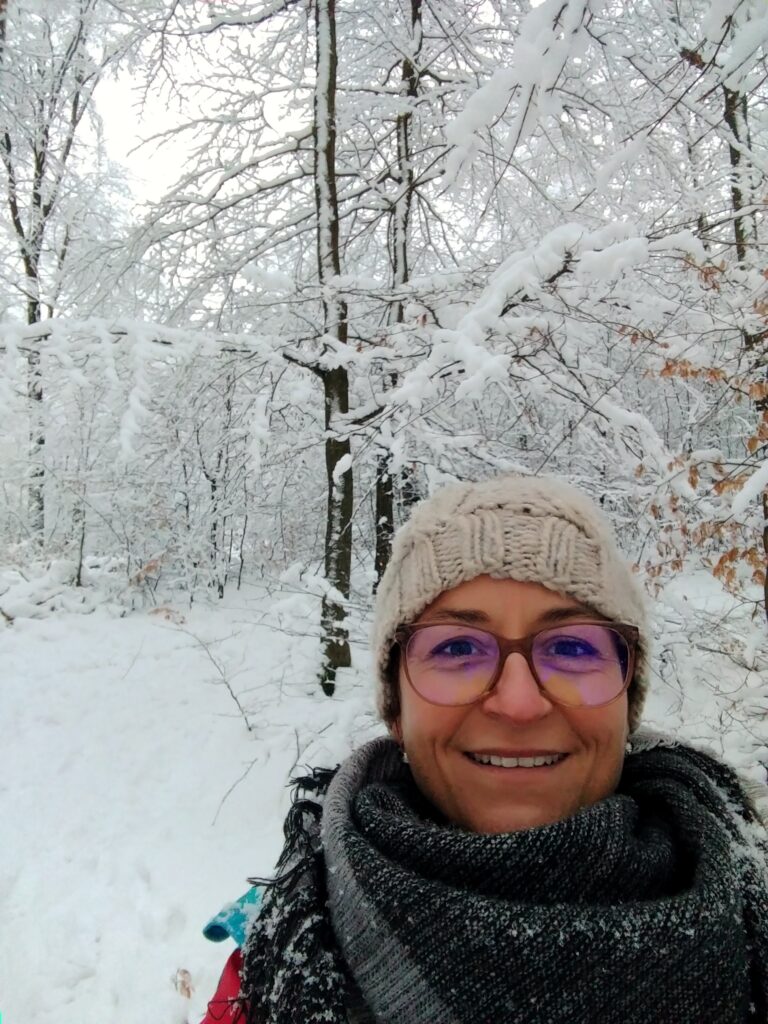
column 119, row 743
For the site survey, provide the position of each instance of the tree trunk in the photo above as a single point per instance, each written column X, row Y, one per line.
column 36, row 490
column 338, row 532
column 410, row 494
column 745, row 238
column 399, row 248
column 385, row 515
column 744, row 227
column 79, row 523
column 31, row 216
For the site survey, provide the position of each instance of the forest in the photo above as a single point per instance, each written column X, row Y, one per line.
column 412, row 243
column 408, row 243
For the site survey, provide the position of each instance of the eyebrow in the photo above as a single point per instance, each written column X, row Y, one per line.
column 474, row 617
column 468, row 615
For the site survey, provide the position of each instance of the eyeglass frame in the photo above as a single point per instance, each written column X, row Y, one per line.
column 524, row 646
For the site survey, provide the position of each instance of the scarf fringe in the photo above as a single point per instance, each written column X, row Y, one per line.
column 292, row 969
column 300, row 829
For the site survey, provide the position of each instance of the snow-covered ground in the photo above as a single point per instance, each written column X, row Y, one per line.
column 135, row 800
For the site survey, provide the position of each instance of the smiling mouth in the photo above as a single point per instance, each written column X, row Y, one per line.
column 535, row 761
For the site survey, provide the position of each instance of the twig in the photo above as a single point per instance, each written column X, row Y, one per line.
column 222, row 675
column 233, row 787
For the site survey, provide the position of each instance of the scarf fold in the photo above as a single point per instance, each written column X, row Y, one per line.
column 649, row 906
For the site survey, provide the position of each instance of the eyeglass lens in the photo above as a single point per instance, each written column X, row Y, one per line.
column 580, row 664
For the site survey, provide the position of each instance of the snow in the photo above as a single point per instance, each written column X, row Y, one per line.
column 135, row 801
column 612, row 261
column 754, row 486
column 342, row 466
column 715, row 20
column 748, row 39
column 684, row 241
column 623, row 419
column 550, row 34
column 136, row 413
column 259, row 431
column 626, row 154
column 269, row 280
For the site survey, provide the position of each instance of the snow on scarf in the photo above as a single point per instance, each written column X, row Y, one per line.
column 651, row 905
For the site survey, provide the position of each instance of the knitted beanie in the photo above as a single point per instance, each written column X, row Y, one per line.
column 531, row 529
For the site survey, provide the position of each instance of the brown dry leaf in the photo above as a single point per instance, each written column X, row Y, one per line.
column 183, row 983
column 730, row 484
column 706, row 531
column 149, row 569
column 752, row 556
column 169, row 614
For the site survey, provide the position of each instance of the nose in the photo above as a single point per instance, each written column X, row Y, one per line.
column 516, row 695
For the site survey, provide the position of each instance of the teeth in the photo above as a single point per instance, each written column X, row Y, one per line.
column 517, row 762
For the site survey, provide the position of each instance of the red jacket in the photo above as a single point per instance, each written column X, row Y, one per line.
column 225, row 1007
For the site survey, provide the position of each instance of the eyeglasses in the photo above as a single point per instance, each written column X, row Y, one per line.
column 578, row 665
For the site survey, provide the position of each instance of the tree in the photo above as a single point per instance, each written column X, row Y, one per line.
column 335, row 379
column 50, row 65
column 660, row 195
column 509, row 321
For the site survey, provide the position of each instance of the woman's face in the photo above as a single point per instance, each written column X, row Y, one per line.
column 515, row 720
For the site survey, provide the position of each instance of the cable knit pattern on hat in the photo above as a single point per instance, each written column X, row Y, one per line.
column 531, row 529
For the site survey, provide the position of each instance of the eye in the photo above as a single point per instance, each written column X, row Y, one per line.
column 570, row 653
column 444, row 648
column 571, row 647
column 584, row 648
column 458, row 647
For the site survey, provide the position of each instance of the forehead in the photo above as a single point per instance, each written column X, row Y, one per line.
column 504, row 603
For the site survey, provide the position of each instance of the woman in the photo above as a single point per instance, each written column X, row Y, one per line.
column 516, row 851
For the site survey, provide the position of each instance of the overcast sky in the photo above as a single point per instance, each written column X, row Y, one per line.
column 151, row 170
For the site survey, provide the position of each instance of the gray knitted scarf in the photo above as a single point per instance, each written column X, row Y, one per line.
column 649, row 906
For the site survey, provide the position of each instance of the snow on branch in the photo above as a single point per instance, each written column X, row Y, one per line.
column 549, row 36
column 252, row 20
column 55, row 334
column 752, row 489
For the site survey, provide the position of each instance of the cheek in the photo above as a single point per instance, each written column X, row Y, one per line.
column 604, row 734
column 411, row 719
column 421, row 725
column 605, row 728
